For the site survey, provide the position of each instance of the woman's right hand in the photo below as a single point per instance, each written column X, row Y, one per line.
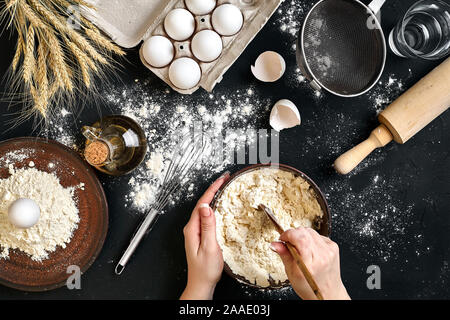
column 320, row 255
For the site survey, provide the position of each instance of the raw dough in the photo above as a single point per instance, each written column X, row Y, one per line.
column 244, row 233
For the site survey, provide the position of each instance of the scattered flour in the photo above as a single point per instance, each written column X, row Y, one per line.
column 379, row 218
column 289, row 16
column 220, row 115
column 16, row 156
column 59, row 213
column 387, row 90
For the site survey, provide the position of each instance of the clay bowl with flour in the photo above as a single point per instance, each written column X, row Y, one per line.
column 19, row 271
column 322, row 226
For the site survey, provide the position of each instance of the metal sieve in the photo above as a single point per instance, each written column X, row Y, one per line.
column 341, row 47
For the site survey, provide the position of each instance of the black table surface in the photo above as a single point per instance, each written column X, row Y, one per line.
column 393, row 213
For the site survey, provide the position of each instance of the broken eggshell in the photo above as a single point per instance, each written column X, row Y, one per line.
column 284, row 115
column 269, row 67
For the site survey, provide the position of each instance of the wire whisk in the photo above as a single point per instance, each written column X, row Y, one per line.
column 186, row 155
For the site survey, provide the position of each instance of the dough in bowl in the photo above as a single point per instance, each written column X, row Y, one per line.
column 244, row 233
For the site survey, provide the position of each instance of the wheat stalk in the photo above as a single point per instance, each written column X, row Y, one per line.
column 57, row 64
column 102, row 41
column 29, row 63
column 52, row 59
column 18, row 54
column 85, row 62
column 65, row 29
column 42, row 81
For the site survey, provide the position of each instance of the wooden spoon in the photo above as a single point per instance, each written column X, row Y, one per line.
column 309, row 278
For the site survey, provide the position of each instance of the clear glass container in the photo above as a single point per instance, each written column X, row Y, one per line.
column 115, row 145
column 423, row 32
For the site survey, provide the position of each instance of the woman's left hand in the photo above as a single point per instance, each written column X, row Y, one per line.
column 203, row 254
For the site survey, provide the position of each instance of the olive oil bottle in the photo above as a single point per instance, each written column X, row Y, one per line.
column 115, row 145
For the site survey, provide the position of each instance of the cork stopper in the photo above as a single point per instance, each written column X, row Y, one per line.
column 96, row 153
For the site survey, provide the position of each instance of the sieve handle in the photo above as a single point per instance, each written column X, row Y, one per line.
column 376, row 5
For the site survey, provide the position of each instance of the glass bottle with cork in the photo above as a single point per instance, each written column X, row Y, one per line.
column 115, row 145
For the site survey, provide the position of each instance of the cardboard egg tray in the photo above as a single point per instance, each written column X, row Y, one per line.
column 132, row 21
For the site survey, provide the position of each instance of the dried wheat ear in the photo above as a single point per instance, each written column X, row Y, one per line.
column 55, row 62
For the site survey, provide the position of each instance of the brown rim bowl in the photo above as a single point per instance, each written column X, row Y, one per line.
column 325, row 224
column 20, row 271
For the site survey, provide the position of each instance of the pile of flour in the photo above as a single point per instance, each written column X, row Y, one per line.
column 59, row 213
column 245, row 233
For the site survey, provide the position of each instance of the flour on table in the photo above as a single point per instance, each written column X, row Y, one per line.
column 289, row 16
column 219, row 115
column 165, row 116
column 386, row 91
column 379, row 218
column 59, row 213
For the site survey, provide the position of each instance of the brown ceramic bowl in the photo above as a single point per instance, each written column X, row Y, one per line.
column 19, row 271
column 324, row 227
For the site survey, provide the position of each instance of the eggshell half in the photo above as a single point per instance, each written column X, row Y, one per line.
column 269, row 67
column 284, row 115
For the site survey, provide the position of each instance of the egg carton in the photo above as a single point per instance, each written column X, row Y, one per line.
column 130, row 22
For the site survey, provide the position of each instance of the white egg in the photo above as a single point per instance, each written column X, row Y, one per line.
column 227, row 19
column 158, row 51
column 179, row 24
column 24, row 213
column 200, row 7
column 206, row 45
column 184, row 73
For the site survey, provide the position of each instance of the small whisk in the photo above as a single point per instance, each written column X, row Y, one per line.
column 186, row 155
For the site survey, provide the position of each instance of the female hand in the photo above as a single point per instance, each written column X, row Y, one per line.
column 320, row 255
column 203, row 254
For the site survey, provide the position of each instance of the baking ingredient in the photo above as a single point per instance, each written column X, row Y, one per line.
column 179, row 24
column 164, row 116
column 200, row 7
column 184, row 73
column 207, row 45
column 158, row 51
column 115, row 145
column 244, row 233
column 387, row 89
column 58, row 54
column 269, row 67
column 289, row 18
column 227, row 19
column 284, row 115
column 24, row 213
column 58, row 213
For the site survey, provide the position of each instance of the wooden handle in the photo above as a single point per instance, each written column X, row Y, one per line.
column 309, row 278
column 380, row 137
column 420, row 105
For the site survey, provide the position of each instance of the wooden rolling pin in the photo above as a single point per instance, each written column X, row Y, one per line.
column 406, row 116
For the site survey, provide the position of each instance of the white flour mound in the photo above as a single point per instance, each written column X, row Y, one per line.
column 244, row 233
column 59, row 213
